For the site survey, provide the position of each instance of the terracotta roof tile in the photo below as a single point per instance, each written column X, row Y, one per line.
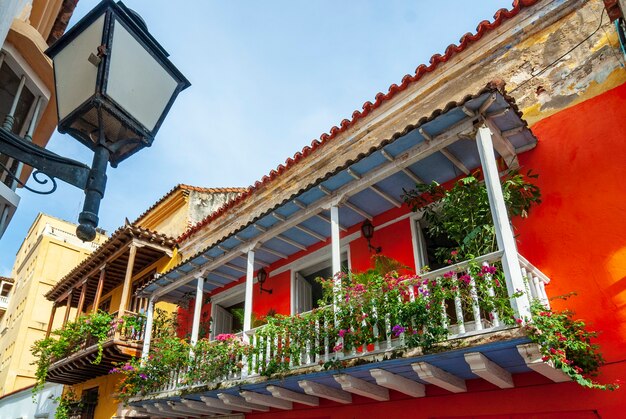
column 466, row 40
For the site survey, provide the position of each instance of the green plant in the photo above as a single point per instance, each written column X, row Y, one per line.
column 463, row 215
column 69, row 404
column 92, row 329
column 567, row 343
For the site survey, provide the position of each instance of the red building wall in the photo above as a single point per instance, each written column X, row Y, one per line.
column 577, row 236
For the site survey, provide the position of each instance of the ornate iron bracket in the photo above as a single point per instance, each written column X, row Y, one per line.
column 45, row 162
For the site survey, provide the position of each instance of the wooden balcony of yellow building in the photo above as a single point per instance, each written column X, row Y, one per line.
column 103, row 287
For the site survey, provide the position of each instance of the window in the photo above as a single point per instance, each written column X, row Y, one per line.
column 89, row 400
column 15, row 72
column 307, row 290
column 227, row 311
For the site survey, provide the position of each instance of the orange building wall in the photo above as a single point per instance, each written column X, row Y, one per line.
column 577, row 236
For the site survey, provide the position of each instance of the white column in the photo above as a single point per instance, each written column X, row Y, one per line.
column 197, row 308
column 247, row 307
column 148, row 333
column 504, row 232
column 335, row 246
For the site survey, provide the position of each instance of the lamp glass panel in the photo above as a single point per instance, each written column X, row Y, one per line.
column 137, row 81
column 75, row 75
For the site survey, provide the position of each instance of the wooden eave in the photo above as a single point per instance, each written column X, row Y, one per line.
column 79, row 366
column 112, row 255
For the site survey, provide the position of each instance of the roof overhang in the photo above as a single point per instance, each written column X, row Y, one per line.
column 439, row 148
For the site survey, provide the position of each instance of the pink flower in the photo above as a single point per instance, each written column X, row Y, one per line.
column 466, row 279
column 224, row 336
column 342, row 332
column 454, row 252
column 448, row 274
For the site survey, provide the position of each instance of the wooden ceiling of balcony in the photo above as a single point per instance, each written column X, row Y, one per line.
column 113, row 256
column 78, row 367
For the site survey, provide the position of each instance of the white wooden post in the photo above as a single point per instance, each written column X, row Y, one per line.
column 147, row 336
column 335, row 246
column 504, row 232
column 247, row 307
column 197, row 308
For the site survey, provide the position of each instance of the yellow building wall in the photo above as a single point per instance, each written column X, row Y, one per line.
column 47, row 253
column 107, row 404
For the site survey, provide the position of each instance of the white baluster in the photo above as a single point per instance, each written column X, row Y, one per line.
column 495, row 317
column 458, row 308
column 317, row 341
column 375, row 330
column 478, row 323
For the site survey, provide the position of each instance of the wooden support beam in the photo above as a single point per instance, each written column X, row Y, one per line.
column 489, row 370
column 487, row 103
column 293, row 396
column 502, row 145
column 186, row 411
column 204, row 407
column 327, row 219
column 240, row 402
column 358, row 210
column 51, row 321
column 101, row 278
column 235, row 268
column 393, row 201
column 214, row 403
column 454, row 160
column 273, row 252
column 225, row 276
column 81, row 300
column 361, row 387
column 404, row 170
column 128, row 278
column 424, row 134
column 164, row 408
column 398, row 383
column 439, row 377
column 265, row 400
column 325, row 392
column 291, row 242
column 67, row 307
column 310, row 232
column 531, row 353
column 154, row 411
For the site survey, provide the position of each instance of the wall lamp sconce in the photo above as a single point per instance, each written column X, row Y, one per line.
column 368, row 232
column 261, row 276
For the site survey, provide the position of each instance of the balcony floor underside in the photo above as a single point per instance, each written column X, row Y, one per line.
column 79, row 366
column 500, row 347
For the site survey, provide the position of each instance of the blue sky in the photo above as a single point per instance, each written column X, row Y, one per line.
column 267, row 78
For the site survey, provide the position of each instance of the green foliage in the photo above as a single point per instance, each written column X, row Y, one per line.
column 210, row 361
column 92, row 329
column 462, row 213
column 568, row 344
column 69, row 404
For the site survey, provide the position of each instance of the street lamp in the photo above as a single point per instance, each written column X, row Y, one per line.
column 114, row 86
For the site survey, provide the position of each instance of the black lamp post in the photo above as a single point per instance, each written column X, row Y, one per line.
column 114, row 86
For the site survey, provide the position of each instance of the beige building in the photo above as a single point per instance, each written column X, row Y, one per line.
column 27, row 101
column 49, row 251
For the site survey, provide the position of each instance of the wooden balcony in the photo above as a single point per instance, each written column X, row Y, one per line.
column 121, row 345
column 479, row 344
